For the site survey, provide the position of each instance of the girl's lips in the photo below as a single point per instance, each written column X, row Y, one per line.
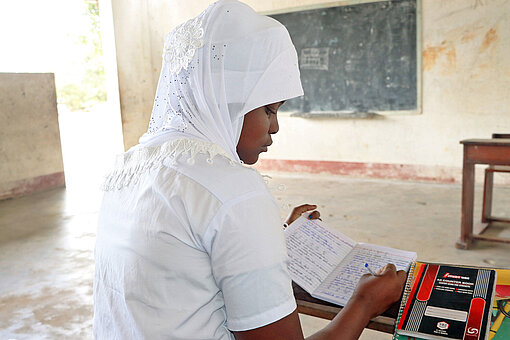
column 265, row 146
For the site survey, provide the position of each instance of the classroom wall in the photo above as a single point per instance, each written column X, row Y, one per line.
column 30, row 151
column 465, row 48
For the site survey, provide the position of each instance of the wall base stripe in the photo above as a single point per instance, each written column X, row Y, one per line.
column 435, row 174
column 30, row 185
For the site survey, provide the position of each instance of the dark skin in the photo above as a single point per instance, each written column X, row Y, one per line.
column 373, row 295
column 256, row 135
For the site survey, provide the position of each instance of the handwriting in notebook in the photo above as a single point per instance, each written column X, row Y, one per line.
column 314, row 252
column 328, row 264
column 344, row 279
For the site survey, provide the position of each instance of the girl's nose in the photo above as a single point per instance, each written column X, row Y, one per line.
column 273, row 125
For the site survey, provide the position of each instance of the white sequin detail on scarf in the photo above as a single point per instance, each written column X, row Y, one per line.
column 181, row 44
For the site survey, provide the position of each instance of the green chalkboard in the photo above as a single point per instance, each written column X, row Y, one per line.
column 357, row 58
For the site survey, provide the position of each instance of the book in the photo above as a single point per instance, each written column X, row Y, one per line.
column 411, row 275
column 328, row 264
column 446, row 302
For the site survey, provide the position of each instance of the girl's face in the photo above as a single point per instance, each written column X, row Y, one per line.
column 258, row 126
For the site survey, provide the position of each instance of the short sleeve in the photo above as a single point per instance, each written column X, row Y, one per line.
column 249, row 262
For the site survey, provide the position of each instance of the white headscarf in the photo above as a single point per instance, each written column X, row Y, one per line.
column 216, row 68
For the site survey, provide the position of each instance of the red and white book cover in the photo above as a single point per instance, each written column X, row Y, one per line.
column 449, row 302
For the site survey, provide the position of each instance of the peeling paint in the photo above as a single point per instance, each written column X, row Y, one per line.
column 451, row 57
column 431, row 55
column 490, row 38
column 467, row 37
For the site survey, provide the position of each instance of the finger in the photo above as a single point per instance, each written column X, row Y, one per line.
column 365, row 275
column 390, row 267
column 304, row 208
column 314, row 215
column 402, row 275
column 298, row 211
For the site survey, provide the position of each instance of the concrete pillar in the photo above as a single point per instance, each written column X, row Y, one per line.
column 30, row 149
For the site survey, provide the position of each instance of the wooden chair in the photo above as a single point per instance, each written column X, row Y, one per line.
column 488, row 186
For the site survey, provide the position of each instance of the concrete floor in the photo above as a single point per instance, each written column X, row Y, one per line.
column 47, row 240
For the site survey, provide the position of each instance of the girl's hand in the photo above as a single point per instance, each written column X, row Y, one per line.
column 378, row 293
column 300, row 210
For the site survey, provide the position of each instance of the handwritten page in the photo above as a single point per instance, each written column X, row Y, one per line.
column 314, row 251
column 339, row 286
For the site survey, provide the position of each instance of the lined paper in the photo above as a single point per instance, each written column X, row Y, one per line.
column 328, row 264
column 339, row 286
column 314, row 251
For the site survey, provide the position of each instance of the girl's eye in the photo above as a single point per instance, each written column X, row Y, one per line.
column 269, row 110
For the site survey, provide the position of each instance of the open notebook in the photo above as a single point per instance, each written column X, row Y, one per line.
column 328, row 265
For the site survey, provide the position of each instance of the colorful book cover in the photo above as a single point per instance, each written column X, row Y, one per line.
column 448, row 302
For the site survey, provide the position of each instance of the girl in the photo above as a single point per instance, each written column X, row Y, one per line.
column 190, row 243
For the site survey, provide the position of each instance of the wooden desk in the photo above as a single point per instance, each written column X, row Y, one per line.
column 478, row 151
column 325, row 310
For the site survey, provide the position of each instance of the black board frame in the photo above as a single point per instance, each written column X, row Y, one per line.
column 353, row 114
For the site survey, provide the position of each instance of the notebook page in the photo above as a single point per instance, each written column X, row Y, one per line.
column 340, row 285
column 314, row 251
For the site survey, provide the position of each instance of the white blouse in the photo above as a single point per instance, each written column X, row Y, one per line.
column 180, row 255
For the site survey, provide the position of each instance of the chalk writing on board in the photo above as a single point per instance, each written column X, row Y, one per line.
column 356, row 58
column 314, row 58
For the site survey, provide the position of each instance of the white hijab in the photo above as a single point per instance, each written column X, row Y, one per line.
column 216, row 68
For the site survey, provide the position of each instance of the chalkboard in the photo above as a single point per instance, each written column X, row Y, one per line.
column 357, row 58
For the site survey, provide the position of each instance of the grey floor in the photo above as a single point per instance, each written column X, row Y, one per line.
column 47, row 240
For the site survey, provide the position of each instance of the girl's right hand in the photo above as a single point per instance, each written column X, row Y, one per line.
column 378, row 293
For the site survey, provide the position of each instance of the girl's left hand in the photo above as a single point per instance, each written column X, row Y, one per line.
column 300, row 210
